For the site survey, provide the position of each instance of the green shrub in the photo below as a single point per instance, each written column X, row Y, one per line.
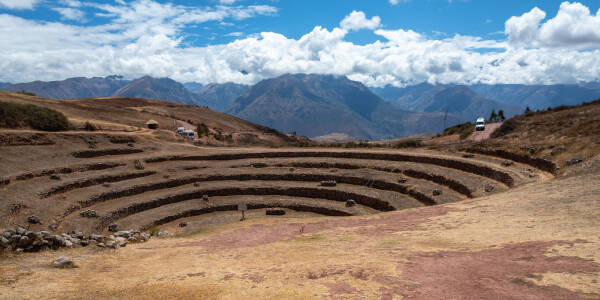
column 507, row 127
column 409, row 144
column 15, row 115
column 464, row 130
column 202, row 130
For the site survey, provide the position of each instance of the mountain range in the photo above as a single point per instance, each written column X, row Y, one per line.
column 457, row 100
column 316, row 105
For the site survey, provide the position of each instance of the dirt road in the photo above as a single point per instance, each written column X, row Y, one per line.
column 478, row 136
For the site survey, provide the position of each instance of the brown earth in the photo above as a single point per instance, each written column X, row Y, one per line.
column 491, row 230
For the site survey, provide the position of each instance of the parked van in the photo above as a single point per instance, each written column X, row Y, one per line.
column 189, row 134
column 180, row 130
column 480, row 124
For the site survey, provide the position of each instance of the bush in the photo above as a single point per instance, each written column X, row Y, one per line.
column 202, row 130
column 89, row 126
column 507, row 127
column 14, row 115
column 464, row 130
column 409, row 144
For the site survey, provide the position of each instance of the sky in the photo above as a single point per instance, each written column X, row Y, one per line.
column 376, row 42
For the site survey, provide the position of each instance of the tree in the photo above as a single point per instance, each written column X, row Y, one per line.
column 501, row 115
column 528, row 111
column 202, row 130
column 493, row 116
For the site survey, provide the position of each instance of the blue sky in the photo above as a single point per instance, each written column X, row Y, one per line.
column 456, row 41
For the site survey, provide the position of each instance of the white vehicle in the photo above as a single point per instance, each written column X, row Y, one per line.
column 480, row 124
column 189, row 134
column 180, row 130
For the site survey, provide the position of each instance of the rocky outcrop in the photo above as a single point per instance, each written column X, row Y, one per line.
column 20, row 239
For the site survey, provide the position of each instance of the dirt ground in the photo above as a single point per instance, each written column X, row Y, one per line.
column 537, row 241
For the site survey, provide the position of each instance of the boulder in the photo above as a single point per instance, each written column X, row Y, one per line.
column 350, row 203
column 4, row 242
column 33, row 220
column 24, row 242
column 113, row 228
column 123, row 233
column 64, row 262
column 21, row 231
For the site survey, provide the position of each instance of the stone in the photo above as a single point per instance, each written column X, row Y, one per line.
column 573, row 161
column 468, row 155
column 101, row 245
column 64, row 262
column 54, row 177
column 437, row 192
column 402, row 180
column 144, row 236
column 350, row 203
column 96, row 237
column 164, row 234
column 507, row 163
column 183, row 224
column 166, row 176
column 113, row 228
column 489, row 188
column 24, row 242
column 4, row 242
column 123, row 233
column 85, row 243
column 275, row 212
column 89, row 213
column 205, row 198
column 138, row 165
column 329, row 183
column 8, row 233
column 68, row 244
column 132, row 240
column 33, row 220
column 21, row 231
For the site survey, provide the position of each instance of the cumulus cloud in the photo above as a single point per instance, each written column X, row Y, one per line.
column 357, row 20
column 18, row 4
column 573, row 27
column 146, row 38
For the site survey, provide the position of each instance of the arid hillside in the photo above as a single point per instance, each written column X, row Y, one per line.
column 131, row 115
column 457, row 221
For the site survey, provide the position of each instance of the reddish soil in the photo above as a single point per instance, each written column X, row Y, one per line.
column 496, row 273
column 264, row 234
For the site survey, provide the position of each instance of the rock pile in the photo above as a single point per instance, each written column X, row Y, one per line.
column 23, row 240
column 328, row 183
column 89, row 213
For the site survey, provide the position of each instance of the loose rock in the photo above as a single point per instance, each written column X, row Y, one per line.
column 350, row 203
column 489, row 188
column 89, row 213
column 113, row 228
column 437, row 192
column 33, row 220
column 64, row 262
column 183, row 224
column 329, row 183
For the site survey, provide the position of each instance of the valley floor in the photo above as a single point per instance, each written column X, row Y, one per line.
column 537, row 241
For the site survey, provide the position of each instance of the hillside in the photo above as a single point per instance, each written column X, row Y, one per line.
column 457, row 100
column 159, row 88
column 539, row 96
column 79, row 87
column 118, row 114
column 316, row 105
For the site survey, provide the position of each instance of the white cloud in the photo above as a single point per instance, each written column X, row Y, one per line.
column 573, row 27
column 235, row 34
column 68, row 13
column 146, row 38
column 357, row 21
column 395, row 2
column 18, row 4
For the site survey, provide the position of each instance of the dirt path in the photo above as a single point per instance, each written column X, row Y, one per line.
column 479, row 136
